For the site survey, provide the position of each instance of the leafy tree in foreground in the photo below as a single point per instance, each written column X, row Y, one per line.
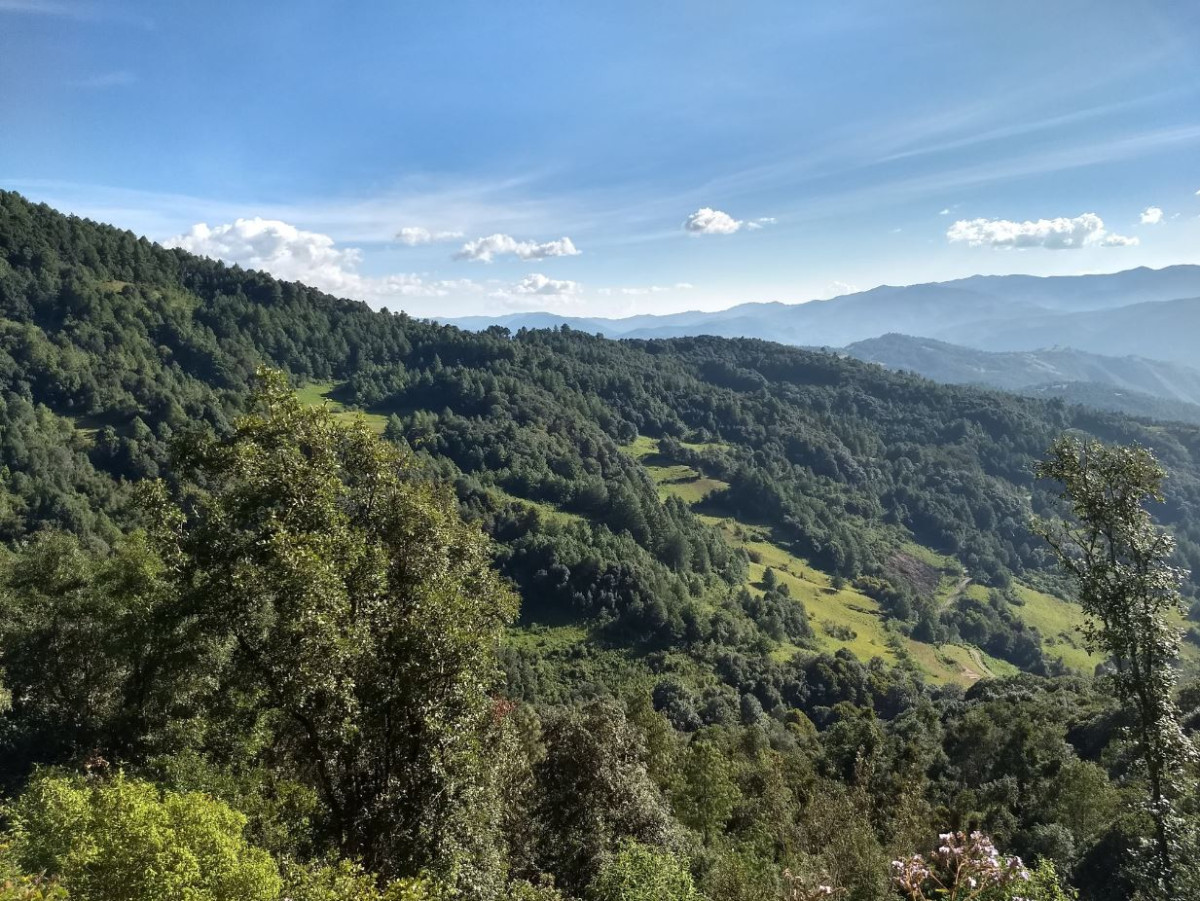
column 124, row 840
column 355, row 613
column 595, row 794
column 1128, row 588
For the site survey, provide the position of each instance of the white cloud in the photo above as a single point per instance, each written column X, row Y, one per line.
column 412, row 235
column 541, row 284
column 837, row 289
column 1113, row 240
column 1053, row 234
column 944, row 212
column 1152, row 215
column 760, row 222
column 293, row 254
column 484, row 250
column 539, row 292
column 707, row 221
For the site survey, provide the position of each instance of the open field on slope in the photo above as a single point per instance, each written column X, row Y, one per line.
column 1058, row 621
column 846, row 618
column 314, row 394
column 676, row 479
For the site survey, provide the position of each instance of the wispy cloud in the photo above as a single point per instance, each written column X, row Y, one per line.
column 707, row 221
column 539, row 292
column 837, row 289
column 47, row 8
column 649, row 289
column 541, row 284
column 476, row 203
column 414, row 235
column 77, row 11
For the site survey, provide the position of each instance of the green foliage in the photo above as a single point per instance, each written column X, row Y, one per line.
column 707, row 794
column 349, row 602
column 639, row 873
column 594, row 793
column 123, row 840
column 345, row 881
column 84, row 654
column 1128, row 587
column 297, row 623
column 18, row 886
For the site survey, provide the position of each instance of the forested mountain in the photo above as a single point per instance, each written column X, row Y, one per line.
column 1132, row 385
column 763, row 591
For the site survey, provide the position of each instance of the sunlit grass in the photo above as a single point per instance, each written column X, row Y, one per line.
column 316, row 394
column 545, row 638
column 1059, row 622
column 548, row 511
column 674, row 479
column 846, row 618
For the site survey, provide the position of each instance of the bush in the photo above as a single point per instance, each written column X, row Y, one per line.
column 125, row 840
column 640, row 873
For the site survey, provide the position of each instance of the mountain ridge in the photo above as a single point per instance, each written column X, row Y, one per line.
column 994, row 313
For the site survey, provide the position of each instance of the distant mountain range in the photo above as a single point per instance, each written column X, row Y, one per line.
column 1113, row 335
column 1006, row 312
column 1128, row 384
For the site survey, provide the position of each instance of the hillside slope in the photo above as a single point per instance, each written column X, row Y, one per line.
column 874, row 494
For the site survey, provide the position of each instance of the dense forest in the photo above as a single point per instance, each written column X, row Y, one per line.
column 304, row 600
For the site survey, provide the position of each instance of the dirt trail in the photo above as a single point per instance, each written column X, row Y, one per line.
column 977, row 659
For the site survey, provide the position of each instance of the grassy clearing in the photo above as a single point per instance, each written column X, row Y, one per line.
column 832, row 611
column 1058, row 621
column 316, row 394
column 87, row 427
column 548, row 511
column 976, row 592
column 642, row 447
column 544, row 638
column 692, row 491
column 673, row 479
column 946, row 564
column 962, row 664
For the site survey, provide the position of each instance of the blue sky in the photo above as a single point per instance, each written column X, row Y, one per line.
column 616, row 157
